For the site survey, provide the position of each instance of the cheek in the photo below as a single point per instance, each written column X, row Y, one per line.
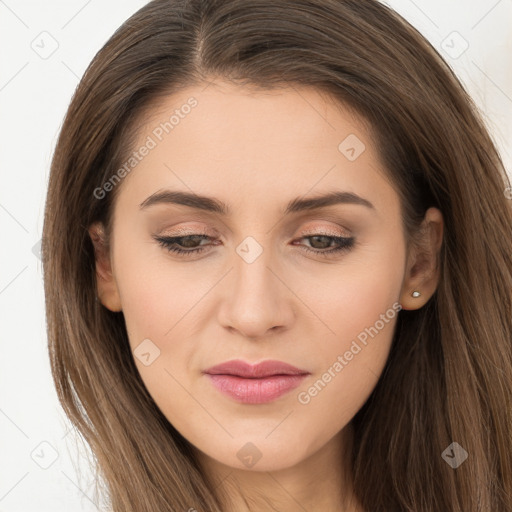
column 159, row 306
column 163, row 304
column 156, row 292
column 350, row 297
column 359, row 308
column 348, row 365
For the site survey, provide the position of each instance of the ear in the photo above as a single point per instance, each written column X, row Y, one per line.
column 422, row 268
column 108, row 293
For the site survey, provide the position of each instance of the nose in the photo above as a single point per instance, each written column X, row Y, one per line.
column 257, row 301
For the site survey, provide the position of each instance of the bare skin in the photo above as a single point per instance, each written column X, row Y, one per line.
column 255, row 152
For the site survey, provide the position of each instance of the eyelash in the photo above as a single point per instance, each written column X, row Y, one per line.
column 345, row 244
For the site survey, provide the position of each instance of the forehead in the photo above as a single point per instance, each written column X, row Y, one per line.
column 243, row 144
column 302, row 115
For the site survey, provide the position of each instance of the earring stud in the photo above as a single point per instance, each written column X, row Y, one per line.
column 416, row 294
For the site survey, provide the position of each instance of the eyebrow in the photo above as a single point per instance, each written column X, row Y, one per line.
column 211, row 204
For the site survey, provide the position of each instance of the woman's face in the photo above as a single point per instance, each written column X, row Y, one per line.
column 264, row 286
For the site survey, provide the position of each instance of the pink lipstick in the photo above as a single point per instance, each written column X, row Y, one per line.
column 255, row 384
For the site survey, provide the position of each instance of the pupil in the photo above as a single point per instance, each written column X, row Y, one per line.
column 325, row 238
column 190, row 241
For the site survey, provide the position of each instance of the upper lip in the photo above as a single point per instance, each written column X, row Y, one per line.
column 268, row 368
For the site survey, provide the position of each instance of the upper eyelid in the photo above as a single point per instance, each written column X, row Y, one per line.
column 339, row 231
column 302, row 234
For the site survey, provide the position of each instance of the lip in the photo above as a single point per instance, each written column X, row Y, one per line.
column 255, row 384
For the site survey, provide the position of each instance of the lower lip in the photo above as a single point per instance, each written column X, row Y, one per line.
column 256, row 391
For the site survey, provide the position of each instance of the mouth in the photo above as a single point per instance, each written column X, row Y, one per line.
column 255, row 384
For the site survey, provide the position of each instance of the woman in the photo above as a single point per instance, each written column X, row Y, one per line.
column 278, row 268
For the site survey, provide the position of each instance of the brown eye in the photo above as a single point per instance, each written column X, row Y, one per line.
column 179, row 244
column 319, row 243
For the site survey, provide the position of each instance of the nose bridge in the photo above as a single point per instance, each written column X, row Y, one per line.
column 254, row 283
column 256, row 301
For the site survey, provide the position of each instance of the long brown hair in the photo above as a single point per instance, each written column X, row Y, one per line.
column 449, row 374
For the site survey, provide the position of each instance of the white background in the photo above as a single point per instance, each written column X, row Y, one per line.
column 34, row 95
